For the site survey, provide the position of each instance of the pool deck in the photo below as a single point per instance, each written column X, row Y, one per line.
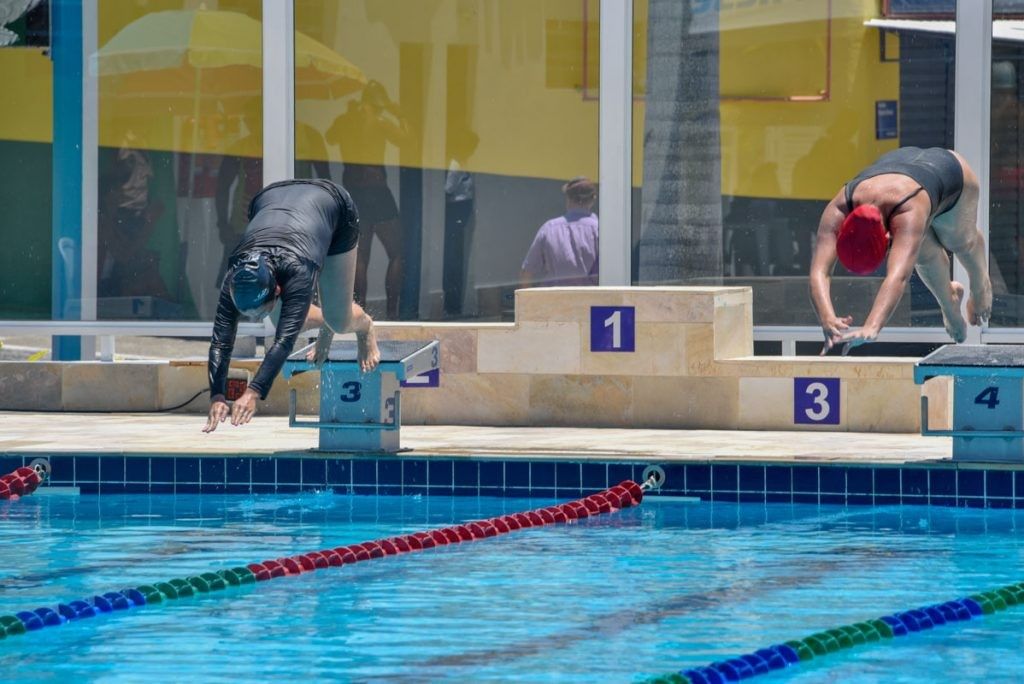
column 173, row 434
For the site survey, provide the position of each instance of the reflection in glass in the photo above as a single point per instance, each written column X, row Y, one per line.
column 752, row 117
column 455, row 147
column 1006, row 183
column 26, row 135
column 179, row 103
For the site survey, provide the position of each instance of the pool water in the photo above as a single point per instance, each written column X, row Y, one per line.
column 645, row 591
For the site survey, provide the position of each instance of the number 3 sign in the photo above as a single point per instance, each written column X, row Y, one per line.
column 612, row 328
column 816, row 401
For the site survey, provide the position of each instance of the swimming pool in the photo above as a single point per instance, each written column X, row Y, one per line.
column 644, row 591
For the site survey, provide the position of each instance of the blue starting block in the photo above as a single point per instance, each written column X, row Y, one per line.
column 361, row 412
column 988, row 414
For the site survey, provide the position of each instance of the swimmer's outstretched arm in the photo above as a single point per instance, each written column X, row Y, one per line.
column 822, row 264
column 906, row 243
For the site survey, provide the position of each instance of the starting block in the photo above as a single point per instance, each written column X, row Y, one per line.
column 361, row 412
column 988, row 414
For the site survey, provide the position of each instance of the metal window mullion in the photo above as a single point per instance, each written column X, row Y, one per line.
column 972, row 114
column 615, row 138
column 89, row 253
column 278, row 90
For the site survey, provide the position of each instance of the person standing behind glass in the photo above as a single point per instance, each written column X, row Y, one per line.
column 564, row 252
column 459, row 195
column 362, row 134
column 127, row 219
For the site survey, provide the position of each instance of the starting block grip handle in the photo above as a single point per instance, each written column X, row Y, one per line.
column 389, row 426
column 985, row 434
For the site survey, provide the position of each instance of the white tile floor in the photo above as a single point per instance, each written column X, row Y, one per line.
column 177, row 433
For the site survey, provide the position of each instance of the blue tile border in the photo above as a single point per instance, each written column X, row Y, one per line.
column 936, row 484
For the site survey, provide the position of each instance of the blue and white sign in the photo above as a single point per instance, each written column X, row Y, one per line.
column 612, row 329
column 432, row 378
column 886, row 121
column 816, row 401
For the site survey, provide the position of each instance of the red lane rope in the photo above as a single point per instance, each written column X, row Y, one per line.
column 21, row 482
column 623, row 495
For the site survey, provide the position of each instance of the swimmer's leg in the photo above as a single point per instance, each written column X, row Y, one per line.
column 957, row 229
column 340, row 311
column 933, row 267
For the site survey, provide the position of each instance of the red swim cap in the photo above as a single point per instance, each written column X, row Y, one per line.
column 863, row 240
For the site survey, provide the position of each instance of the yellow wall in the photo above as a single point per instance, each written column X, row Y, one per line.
column 27, row 114
column 525, row 99
column 814, row 147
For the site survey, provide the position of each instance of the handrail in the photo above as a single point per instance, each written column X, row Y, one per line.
column 126, row 328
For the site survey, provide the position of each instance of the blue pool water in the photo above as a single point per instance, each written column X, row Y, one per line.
column 645, row 591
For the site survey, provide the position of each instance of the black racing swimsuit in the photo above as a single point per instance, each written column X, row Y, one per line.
column 935, row 169
column 297, row 224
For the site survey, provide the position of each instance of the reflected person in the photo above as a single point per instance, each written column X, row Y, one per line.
column 459, row 201
column 127, row 219
column 565, row 249
column 362, row 134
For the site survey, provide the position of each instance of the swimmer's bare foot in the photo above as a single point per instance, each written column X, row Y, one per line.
column 956, row 326
column 369, row 354
column 979, row 305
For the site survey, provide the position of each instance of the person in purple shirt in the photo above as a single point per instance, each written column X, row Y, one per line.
column 565, row 249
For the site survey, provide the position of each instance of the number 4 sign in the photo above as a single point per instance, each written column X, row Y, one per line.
column 816, row 401
column 612, row 328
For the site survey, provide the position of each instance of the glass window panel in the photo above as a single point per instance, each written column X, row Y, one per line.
column 26, row 165
column 1006, row 183
column 180, row 136
column 454, row 125
column 753, row 116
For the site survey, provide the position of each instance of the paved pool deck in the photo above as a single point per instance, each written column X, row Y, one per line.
column 172, row 434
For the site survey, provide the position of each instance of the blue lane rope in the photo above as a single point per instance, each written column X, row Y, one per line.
column 792, row 653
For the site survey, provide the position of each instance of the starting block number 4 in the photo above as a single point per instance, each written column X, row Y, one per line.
column 987, row 403
column 816, row 401
column 612, row 328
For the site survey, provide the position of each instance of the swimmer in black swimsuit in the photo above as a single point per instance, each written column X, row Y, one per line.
column 908, row 209
column 301, row 238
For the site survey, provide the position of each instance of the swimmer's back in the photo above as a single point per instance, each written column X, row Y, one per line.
column 311, row 218
column 935, row 169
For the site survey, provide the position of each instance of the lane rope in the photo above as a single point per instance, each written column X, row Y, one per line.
column 623, row 495
column 24, row 480
column 827, row 642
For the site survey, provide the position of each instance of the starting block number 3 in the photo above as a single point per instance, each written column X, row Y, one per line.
column 816, row 401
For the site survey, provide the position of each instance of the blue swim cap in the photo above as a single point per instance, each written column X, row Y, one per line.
column 252, row 282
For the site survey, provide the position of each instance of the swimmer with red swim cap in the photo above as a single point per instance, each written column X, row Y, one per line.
column 907, row 210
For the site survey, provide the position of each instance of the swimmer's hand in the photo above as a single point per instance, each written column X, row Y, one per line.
column 244, row 407
column 219, row 412
column 833, row 329
column 855, row 338
column 319, row 353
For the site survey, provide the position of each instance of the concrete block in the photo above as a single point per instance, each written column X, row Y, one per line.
column 734, row 329
column 177, row 383
column 458, row 341
column 660, row 350
column 30, row 386
column 580, row 401
column 563, row 304
column 766, row 404
column 939, row 391
column 684, row 402
column 530, row 348
column 672, row 304
column 851, row 368
column 469, row 399
column 119, row 386
column 882, row 406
